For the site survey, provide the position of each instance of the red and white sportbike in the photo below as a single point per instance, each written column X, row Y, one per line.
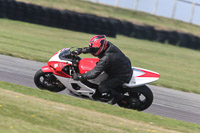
column 57, row 75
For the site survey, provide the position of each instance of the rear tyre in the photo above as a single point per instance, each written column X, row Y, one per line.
column 139, row 98
column 47, row 81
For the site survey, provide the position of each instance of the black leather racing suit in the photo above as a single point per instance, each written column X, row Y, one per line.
column 116, row 65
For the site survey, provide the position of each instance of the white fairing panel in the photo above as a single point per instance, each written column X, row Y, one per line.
column 55, row 57
column 141, row 76
column 84, row 90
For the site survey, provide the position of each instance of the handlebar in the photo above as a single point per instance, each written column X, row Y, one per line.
column 75, row 58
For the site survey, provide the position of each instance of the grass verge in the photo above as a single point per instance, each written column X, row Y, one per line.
column 178, row 66
column 24, row 109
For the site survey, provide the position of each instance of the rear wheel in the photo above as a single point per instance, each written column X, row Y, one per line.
column 47, row 81
column 139, row 98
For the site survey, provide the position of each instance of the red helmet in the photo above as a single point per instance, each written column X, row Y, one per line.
column 97, row 44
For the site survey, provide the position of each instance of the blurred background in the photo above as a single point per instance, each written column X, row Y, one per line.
column 185, row 10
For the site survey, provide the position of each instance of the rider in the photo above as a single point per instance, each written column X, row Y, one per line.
column 112, row 61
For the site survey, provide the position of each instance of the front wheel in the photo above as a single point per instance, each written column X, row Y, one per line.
column 139, row 98
column 47, row 81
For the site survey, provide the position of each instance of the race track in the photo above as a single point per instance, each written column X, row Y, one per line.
column 167, row 102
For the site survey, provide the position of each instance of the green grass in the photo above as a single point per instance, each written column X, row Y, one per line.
column 179, row 67
column 23, row 109
column 123, row 14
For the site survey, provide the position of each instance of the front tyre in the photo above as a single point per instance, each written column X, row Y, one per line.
column 139, row 98
column 47, row 81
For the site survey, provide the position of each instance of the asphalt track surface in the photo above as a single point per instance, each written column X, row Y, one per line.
column 167, row 102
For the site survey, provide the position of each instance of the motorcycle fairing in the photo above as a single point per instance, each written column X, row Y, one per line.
column 81, row 90
column 56, row 64
column 142, row 76
column 58, row 71
column 46, row 69
column 56, row 57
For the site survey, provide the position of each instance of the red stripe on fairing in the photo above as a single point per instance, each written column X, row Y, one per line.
column 46, row 69
column 149, row 74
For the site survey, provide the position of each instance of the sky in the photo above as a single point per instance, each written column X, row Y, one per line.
column 164, row 8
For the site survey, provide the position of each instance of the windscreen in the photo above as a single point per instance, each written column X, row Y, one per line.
column 65, row 54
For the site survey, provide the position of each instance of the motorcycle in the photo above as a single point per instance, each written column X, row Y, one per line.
column 57, row 76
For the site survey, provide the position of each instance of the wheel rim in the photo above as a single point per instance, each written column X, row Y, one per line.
column 136, row 101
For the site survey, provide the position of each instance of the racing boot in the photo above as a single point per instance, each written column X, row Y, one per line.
column 116, row 97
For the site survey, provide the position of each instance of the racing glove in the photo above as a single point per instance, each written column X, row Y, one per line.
column 77, row 77
column 85, row 50
column 78, row 51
